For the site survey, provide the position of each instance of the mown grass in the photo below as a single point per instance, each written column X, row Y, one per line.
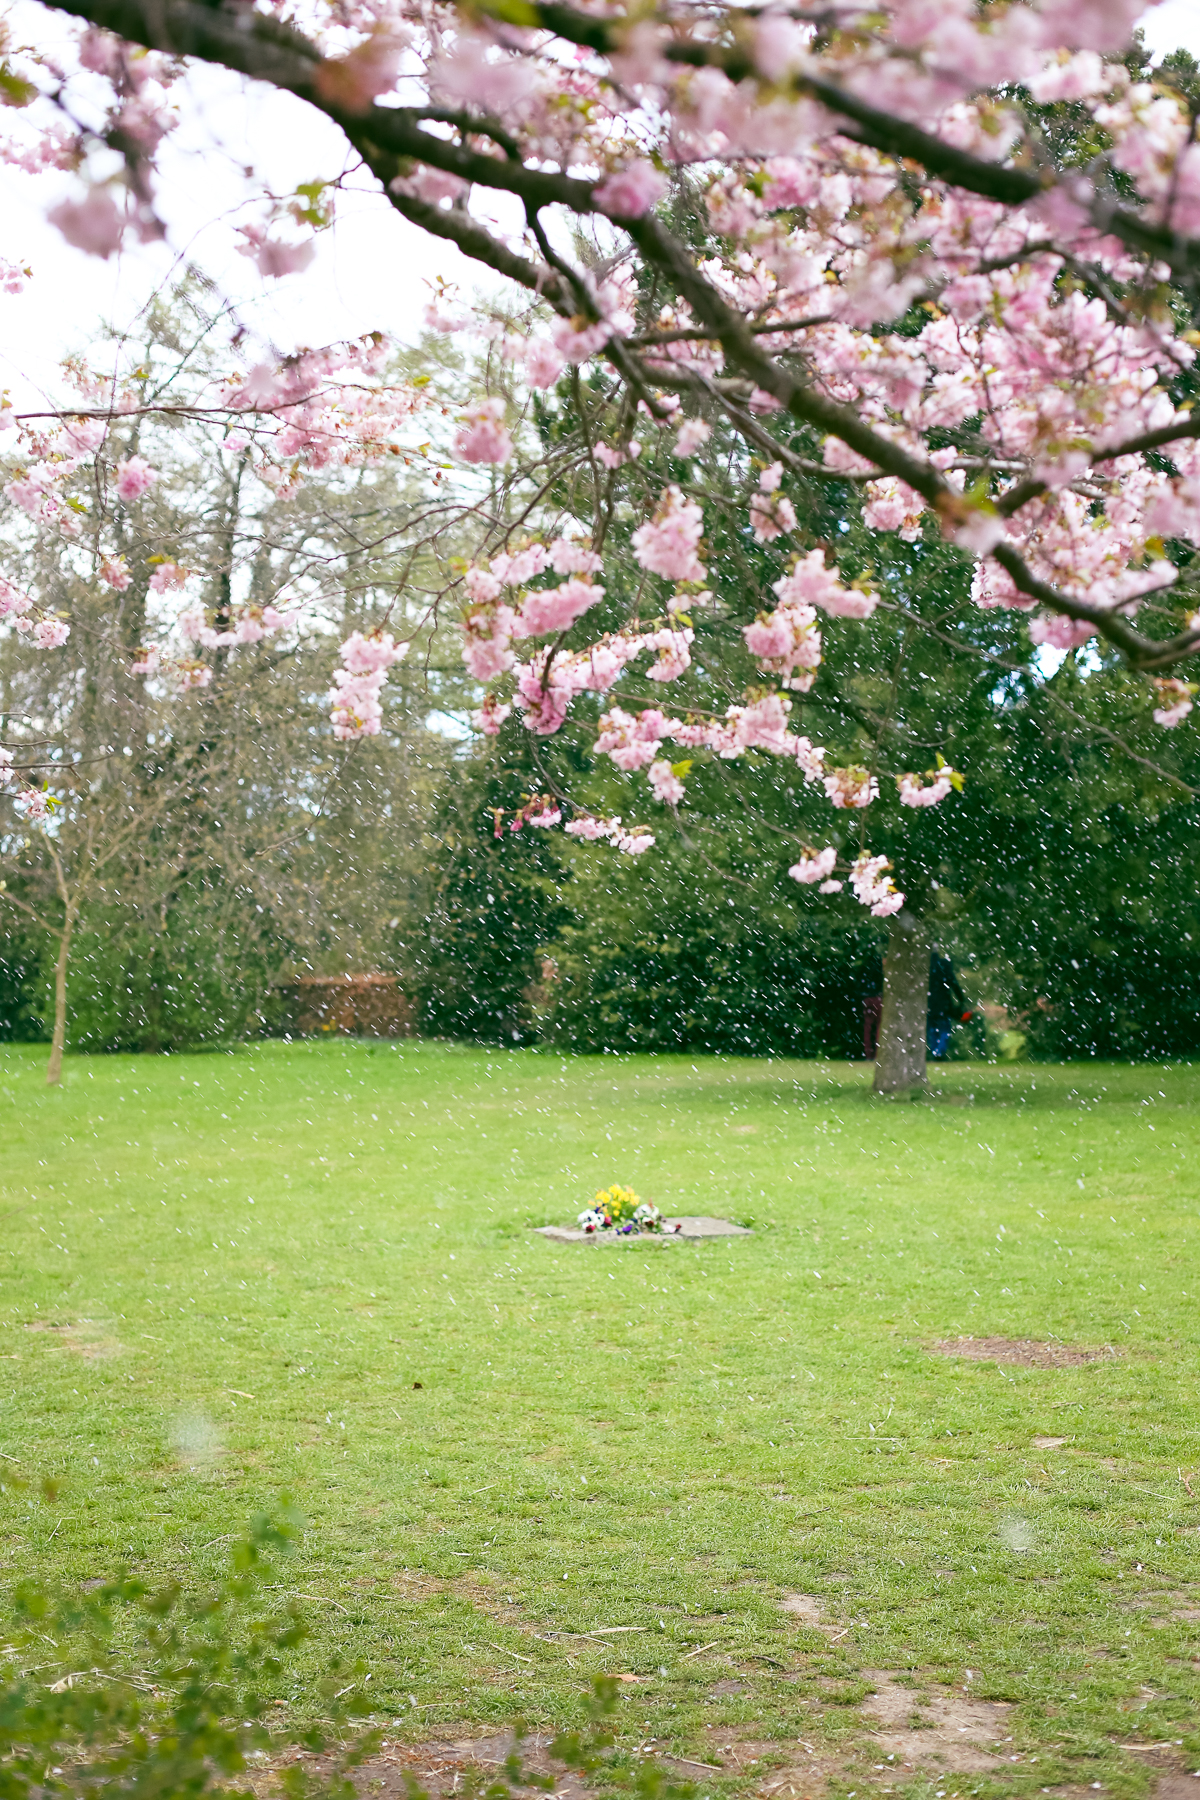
column 308, row 1269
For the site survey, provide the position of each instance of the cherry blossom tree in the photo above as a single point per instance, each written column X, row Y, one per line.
column 170, row 751
column 844, row 230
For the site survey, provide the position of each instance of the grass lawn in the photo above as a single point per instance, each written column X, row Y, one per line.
column 307, row 1269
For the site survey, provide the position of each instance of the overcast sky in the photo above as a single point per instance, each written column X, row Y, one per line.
column 372, row 270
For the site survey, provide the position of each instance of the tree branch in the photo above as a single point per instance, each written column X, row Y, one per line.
column 894, row 136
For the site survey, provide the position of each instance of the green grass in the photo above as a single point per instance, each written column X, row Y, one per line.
column 224, row 1277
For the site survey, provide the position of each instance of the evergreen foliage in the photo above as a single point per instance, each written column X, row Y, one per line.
column 497, row 904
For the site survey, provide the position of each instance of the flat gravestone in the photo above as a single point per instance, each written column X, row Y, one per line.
column 687, row 1228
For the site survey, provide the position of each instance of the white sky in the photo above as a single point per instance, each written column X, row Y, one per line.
column 372, row 270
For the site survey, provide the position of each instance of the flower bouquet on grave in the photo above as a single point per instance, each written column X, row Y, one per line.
column 619, row 1210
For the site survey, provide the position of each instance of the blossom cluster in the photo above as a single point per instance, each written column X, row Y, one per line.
column 36, row 803
column 632, row 839
column 873, row 887
column 47, row 630
column 356, row 695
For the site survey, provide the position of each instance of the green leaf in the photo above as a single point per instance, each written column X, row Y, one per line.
column 14, row 89
column 512, row 12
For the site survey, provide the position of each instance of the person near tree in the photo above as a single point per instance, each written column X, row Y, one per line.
column 948, row 1005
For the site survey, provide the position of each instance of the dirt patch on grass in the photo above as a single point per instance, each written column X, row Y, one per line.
column 1176, row 1780
column 811, row 1612
column 441, row 1766
column 1169, row 1607
column 86, row 1337
column 1026, row 1353
column 947, row 1729
column 805, row 1607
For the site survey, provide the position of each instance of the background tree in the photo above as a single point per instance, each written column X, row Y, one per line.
column 208, row 832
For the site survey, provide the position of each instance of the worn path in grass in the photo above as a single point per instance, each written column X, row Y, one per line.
column 308, row 1269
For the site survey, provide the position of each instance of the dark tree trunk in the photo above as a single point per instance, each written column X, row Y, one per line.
column 900, row 1058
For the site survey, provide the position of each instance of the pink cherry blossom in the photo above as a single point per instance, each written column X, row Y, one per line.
column 579, row 338
column 873, row 887
column 554, row 609
column 134, row 476
column 51, row 634
column 692, row 435
column 353, row 81
column 893, row 506
column 667, row 545
column 631, row 191
column 470, row 71
column 114, row 572
column 812, row 584
column 634, row 841
column 586, row 826
column 814, row 866
column 763, row 725
column 483, row 436
column 770, row 637
column 490, row 716
column 915, row 792
column 544, row 362
column 772, row 516
column 166, row 575
column 852, row 788
column 566, row 557
column 515, row 567
column 614, row 456
column 631, row 743
column 276, row 257
column 95, row 223
column 1177, row 697
column 433, row 186
column 665, row 783
column 482, row 584
column 1060, row 632
column 356, row 695
column 486, row 658
column 367, row 655
column 357, row 712
column 674, row 653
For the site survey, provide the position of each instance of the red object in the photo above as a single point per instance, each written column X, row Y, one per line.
column 348, row 1005
column 872, row 1013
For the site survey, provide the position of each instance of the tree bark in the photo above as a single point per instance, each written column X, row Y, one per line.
column 900, row 1057
column 58, row 1040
